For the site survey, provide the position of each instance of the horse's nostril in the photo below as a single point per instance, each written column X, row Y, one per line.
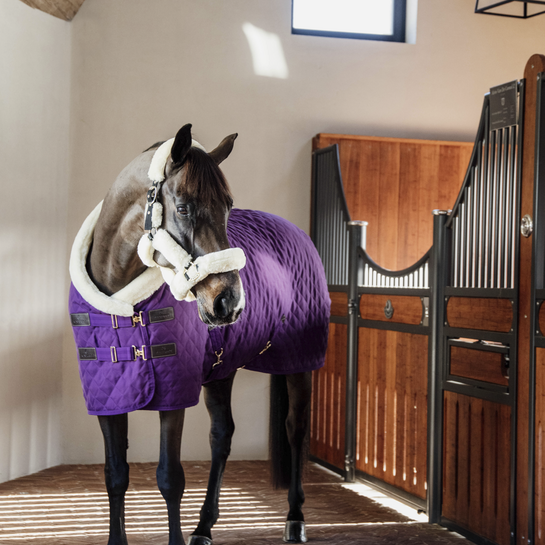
column 221, row 306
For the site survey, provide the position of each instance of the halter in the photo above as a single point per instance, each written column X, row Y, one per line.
column 187, row 272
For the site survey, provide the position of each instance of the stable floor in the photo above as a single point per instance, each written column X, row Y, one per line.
column 68, row 505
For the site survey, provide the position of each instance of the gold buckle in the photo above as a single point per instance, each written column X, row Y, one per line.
column 113, row 354
column 267, row 346
column 139, row 353
column 138, row 320
column 114, row 321
column 220, row 361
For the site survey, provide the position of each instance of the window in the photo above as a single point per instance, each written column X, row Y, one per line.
column 361, row 19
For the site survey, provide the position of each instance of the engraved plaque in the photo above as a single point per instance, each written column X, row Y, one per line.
column 503, row 105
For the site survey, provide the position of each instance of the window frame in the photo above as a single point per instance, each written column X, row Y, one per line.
column 398, row 35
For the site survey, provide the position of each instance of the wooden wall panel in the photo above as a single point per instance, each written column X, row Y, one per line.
column 540, row 448
column 394, row 184
column 328, row 401
column 476, row 464
column 392, row 408
column 478, row 365
column 339, row 303
column 487, row 314
column 407, row 309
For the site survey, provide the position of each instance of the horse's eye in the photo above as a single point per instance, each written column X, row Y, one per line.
column 183, row 209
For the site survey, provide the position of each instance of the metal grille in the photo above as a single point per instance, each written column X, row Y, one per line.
column 484, row 222
column 374, row 276
column 329, row 225
column 418, row 278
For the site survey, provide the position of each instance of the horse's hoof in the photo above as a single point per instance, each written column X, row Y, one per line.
column 199, row 540
column 294, row 532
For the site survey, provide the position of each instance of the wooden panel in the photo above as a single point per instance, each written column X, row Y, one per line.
column 394, row 184
column 540, row 448
column 476, row 485
column 407, row 309
column 534, row 66
column 477, row 365
column 391, row 440
column 339, row 303
column 328, row 401
column 485, row 314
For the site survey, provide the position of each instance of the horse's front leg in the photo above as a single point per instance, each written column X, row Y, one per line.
column 299, row 393
column 116, row 470
column 170, row 474
column 217, row 396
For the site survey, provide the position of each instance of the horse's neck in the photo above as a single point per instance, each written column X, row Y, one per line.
column 113, row 262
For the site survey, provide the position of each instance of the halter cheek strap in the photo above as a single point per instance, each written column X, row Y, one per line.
column 187, row 272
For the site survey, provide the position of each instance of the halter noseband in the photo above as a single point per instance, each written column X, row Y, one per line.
column 188, row 272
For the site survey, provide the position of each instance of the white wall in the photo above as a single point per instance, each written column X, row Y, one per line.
column 34, row 113
column 142, row 69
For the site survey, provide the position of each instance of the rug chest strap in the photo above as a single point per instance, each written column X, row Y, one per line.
column 116, row 354
column 95, row 319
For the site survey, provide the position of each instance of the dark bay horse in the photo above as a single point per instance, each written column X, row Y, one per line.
column 161, row 238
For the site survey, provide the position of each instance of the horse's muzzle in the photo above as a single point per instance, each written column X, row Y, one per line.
column 225, row 308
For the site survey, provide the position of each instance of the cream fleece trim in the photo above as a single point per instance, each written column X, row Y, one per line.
column 120, row 303
column 156, row 170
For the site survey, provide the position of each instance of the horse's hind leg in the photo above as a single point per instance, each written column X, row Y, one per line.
column 217, row 396
column 170, row 474
column 299, row 394
column 116, row 470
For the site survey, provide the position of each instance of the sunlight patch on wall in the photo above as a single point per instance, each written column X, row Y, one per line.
column 267, row 52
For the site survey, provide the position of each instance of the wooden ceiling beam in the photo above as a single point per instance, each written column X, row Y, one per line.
column 63, row 9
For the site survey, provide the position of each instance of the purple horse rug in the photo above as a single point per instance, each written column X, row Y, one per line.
column 158, row 358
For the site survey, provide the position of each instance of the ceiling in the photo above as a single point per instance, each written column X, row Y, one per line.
column 63, row 9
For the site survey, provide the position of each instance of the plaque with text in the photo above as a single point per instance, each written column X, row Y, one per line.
column 503, row 106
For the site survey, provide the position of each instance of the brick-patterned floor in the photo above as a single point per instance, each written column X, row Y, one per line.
column 67, row 505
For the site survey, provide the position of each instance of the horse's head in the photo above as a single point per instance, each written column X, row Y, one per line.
column 196, row 205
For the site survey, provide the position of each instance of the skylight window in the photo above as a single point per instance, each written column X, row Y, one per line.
column 362, row 19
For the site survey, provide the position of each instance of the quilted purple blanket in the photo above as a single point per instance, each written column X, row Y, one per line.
column 162, row 364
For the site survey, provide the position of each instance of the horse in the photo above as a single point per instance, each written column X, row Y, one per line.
column 172, row 291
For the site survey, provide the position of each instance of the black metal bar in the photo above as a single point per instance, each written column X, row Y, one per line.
column 473, row 384
column 479, row 393
column 351, row 419
column 483, row 347
column 436, row 364
column 394, row 326
column 479, row 335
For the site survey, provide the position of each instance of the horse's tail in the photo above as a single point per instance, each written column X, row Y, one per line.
column 279, row 447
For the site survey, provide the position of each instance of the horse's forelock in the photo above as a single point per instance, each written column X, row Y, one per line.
column 204, row 181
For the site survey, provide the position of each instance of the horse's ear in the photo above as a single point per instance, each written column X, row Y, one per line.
column 181, row 145
column 224, row 149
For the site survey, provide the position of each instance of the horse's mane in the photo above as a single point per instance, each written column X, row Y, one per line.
column 205, row 181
